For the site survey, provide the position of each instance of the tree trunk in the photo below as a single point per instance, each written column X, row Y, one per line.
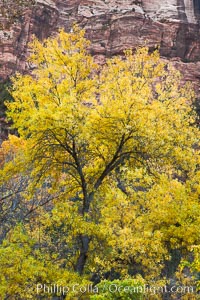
column 83, row 254
column 85, row 241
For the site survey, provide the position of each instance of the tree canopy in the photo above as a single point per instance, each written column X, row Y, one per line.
column 104, row 175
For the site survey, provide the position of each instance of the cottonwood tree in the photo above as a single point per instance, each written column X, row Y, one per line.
column 118, row 149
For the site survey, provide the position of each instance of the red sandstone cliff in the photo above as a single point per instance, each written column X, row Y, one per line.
column 112, row 26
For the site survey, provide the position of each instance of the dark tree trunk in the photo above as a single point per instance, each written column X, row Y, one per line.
column 85, row 241
column 83, row 254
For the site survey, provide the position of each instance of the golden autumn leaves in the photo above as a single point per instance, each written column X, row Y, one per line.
column 111, row 161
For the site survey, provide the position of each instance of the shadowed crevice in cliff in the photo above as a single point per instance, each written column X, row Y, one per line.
column 181, row 11
column 45, row 19
column 196, row 4
column 182, row 33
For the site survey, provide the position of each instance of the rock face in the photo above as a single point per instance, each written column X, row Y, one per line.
column 112, row 26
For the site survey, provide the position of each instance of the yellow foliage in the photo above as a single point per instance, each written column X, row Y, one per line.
column 118, row 150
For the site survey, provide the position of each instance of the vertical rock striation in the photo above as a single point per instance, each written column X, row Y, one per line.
column 112, row 26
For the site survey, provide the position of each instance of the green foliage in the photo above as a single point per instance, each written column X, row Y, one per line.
column 193, row 265
column 127, row 289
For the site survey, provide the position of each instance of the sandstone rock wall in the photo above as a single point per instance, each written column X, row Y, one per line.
column 112, row 26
